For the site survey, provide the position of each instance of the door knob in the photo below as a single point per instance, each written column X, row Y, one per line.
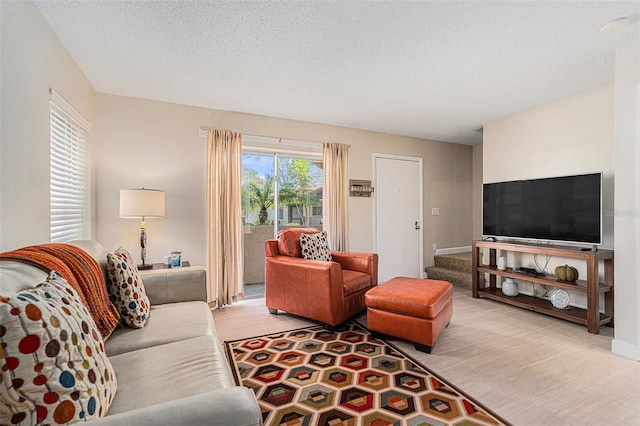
column 417, row 225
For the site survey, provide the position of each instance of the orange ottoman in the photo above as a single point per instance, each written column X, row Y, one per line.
column 410, row 308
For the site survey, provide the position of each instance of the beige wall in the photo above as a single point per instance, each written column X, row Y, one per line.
column 627, row 200
column 32, row 61
column 572, row 136
column 156, row 145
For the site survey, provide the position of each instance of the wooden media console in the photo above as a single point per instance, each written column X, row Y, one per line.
column 591, row 317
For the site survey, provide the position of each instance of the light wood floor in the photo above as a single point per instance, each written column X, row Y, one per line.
column 528, row 368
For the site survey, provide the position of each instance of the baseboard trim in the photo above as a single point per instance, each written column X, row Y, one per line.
column 452, row 250
column 626, row 350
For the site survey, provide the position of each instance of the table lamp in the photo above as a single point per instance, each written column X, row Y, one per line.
column 142, row 203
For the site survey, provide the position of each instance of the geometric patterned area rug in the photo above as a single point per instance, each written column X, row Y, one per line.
column 311, row 376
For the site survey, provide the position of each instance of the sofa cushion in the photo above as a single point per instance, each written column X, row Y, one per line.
column 415, row 297
column 354, row 281
column 53, row 368
column 167, row 323
column 289, row 241
column 126, row 290
column 175, row 284
column 315, row 246
column 164, row 373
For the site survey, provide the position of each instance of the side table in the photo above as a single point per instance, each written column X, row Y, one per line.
column 155, row 266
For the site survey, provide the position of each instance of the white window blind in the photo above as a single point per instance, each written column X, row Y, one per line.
column 70, row 175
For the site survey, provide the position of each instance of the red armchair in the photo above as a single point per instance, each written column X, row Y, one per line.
column 328, row 292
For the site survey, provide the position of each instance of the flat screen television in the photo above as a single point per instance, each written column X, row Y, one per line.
column 563, row 209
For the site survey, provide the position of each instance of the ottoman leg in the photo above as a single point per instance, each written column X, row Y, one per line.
column 273, row 311
column 422, row 348
column 376, row 335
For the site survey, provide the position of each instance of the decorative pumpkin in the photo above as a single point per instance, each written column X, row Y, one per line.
column 566, row 273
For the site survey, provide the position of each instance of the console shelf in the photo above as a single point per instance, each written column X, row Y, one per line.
column 591, row 317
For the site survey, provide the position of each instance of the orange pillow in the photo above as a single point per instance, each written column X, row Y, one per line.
column 289, row 241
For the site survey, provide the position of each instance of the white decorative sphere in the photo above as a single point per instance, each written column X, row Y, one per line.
column 559, row 298
column 510, row 287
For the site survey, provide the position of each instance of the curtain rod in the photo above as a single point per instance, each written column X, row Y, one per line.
column 202, row 132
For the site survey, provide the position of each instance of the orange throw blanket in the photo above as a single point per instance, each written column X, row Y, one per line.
column 80, row 270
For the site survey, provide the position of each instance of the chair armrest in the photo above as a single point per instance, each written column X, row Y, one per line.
column 224, row 407
column 361, row 262
column 304, row 269
column 309, row 288
column 175, row 284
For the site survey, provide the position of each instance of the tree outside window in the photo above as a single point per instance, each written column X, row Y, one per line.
column 299, row 189
column 257, row 195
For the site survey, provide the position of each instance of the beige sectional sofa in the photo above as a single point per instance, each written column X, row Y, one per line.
column 172, row 371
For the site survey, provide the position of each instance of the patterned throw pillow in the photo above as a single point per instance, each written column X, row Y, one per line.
column 126, row 290
column 315, row 246
column 53, row 367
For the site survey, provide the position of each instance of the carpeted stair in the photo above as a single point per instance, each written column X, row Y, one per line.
column 455, row 268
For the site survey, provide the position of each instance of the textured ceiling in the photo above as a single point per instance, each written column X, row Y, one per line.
column 434, row 69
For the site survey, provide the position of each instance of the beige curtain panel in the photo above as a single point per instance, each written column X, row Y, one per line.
column 224, row 218
column 335, row 190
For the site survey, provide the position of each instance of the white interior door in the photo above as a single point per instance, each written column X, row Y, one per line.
column 398, row 216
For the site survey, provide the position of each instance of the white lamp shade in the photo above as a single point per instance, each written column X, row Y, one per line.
column 141, row 203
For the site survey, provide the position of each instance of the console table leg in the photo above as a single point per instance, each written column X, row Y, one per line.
column 475, row 275
column 492, row 262
column 608, row 296
column 593, row 305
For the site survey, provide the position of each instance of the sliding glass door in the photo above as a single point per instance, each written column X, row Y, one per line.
column 279, row 191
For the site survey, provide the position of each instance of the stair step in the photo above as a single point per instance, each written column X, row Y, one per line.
column 457, row 262
column 457, row 278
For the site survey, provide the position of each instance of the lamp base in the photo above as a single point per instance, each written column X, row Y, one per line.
column 145, row 267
